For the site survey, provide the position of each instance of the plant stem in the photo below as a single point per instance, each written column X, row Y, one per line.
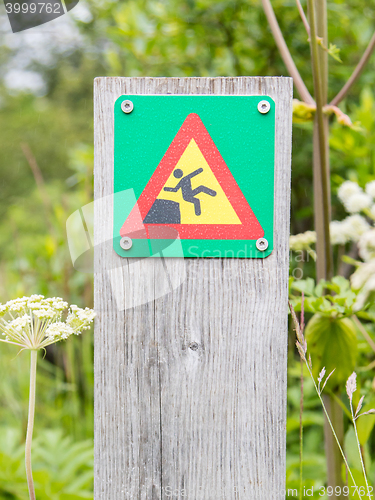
column 356, row 73
column 302, row 348
column 322, row 211
column 321, row 181
column 284, row 52
column 333, row 455
column 332, row 429
column 363, row 330
column 30, row 423
column 320, row 261
column 303, row 17
column 359, row 449
column 301, row 437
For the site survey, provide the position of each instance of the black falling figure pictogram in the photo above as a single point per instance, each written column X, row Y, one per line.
column 188, row 193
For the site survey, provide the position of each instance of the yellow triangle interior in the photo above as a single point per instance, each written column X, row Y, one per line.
column 214, row 209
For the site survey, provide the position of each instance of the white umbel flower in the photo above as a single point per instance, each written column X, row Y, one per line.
column 302, row 241
column 80, row 319
column 350, row 229
column 35, row 322
column 358, row 202
column 338, row 235
column 354, row 226
column 347, row 190
column 363, row 279
column 59, row 331
column 363, row 272
column 370, row 189
column 366, row 245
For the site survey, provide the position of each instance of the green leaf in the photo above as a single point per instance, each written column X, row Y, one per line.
column 342, row 285
column 332, row 343
column 306, row 286
column 320, row 287
column 334, row 52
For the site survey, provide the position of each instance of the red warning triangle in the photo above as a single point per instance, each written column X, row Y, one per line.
column 151, row 211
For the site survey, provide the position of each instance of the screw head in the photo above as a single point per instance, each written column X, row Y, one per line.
column 261, row 244
column 127, row 106
column 264, row 107
column 126, row 243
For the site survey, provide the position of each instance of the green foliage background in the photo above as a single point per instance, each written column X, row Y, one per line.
column 144, row 38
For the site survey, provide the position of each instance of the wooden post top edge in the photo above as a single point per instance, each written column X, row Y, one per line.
column 108, row 79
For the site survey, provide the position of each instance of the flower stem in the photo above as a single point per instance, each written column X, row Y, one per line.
column 30, row 423
column 301, row 437
column 332, row 429
column 359, row 449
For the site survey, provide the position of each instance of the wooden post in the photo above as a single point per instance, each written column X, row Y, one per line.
column 190, row 387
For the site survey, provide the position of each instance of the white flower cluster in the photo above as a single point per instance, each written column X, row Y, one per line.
column 59, row 331
column 80, row 319
column 16, row 327
column 366, row 245
column 370, row 189
column 20, row 323
column 350, row 229
column 302, row 241
column 363, row 279
column 35, row 322
column 354, row 227
column 354, row 198
column 36, row 304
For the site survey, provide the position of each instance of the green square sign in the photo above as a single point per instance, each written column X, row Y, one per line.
column 194, row 176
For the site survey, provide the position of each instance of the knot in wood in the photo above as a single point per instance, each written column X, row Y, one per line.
column 194, row 346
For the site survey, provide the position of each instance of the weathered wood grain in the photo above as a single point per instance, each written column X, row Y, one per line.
column 190, row 388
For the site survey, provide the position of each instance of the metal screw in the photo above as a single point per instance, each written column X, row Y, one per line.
column 264, row 107
column 126, row 243
column 261, row 244
column 127, row 106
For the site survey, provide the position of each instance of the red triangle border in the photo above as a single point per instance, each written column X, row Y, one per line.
column 193, row 128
